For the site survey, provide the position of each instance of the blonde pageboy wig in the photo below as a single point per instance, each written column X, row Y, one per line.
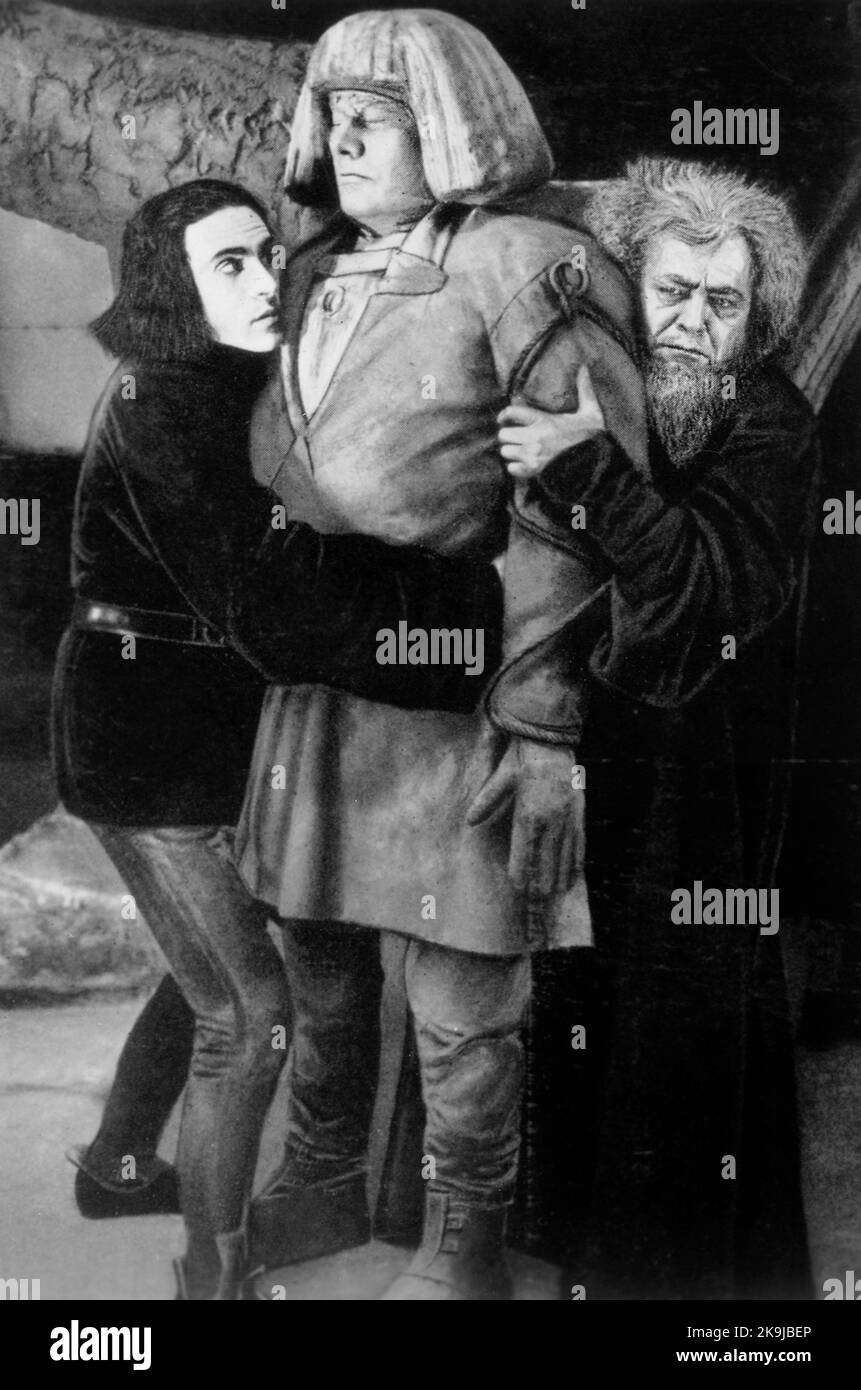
column 480, row 139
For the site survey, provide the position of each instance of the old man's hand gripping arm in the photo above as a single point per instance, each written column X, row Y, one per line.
column 718, row 565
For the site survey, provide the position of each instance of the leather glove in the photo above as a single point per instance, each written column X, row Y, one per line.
column 548, row 839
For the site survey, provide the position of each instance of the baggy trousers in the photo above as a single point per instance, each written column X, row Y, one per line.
column 468, row 1011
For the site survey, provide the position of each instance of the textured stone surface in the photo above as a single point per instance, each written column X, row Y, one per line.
column 201, row 106
column 62, row 928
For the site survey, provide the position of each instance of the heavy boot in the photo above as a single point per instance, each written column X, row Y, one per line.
column 462, row 1257
column 316, row 1204
column 292, row 1222
column 224, row 1279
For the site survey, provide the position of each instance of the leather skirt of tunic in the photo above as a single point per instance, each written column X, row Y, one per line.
column 367, row 822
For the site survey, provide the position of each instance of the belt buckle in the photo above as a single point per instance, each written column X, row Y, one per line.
column 107, row 613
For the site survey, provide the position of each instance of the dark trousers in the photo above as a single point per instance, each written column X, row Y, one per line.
column 468, row 1012
column 149, row 1080
column 215, row 941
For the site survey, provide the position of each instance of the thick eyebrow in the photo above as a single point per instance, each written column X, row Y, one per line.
column 724, row 289
column 242, row 250
column 692, row 284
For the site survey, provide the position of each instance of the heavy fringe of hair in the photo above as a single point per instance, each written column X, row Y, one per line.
column 701, row 205
column 480, row 138
column 157, row 315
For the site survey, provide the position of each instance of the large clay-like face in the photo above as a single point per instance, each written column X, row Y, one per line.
column 376, row 157
column 229, row 254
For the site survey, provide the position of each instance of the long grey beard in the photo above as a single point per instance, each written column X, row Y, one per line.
column 686, row 406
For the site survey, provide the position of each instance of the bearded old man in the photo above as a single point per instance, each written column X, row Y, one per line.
column 411, row 319
column 665, row 1157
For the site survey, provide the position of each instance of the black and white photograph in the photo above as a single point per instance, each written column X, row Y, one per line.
column 430, row 660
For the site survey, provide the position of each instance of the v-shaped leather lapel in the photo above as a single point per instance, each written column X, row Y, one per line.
column 415, row 268
column 299, row 276
column 408, row 273
column 272, row 433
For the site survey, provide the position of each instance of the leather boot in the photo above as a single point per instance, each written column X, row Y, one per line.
column 226, row 1279
column 98, row 1196
column 462, row 1257
column 292, row 1222
column 233, row 1256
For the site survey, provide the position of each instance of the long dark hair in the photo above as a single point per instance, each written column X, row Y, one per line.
column 157, row 315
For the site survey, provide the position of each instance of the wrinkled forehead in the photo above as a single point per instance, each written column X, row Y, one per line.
column 372, row 105
column 725, row 262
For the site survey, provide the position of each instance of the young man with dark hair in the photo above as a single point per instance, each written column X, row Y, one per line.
column 178, row 576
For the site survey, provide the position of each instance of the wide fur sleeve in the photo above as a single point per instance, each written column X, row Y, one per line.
column 298, row 605
column 722, row 564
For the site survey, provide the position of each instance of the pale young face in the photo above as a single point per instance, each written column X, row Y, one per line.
column 696, row 300
column 229, row 253
column 376, row 157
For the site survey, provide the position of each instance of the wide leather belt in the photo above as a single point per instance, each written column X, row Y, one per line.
column 145, row 622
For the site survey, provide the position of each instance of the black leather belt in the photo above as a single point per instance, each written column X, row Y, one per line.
column 145, row 622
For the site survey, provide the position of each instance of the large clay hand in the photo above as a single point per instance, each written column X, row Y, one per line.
column 529, row 439
column 548, row 839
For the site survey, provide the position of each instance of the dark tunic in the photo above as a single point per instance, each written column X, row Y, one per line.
column 688, row 1056
column 168, row 518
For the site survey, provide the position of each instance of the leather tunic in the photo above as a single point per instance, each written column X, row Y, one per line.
column 476, row 307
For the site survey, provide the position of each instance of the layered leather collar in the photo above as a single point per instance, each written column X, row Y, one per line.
column 414, row 268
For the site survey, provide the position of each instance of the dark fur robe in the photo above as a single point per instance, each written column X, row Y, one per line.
column 688, row 1060
column 167, row 518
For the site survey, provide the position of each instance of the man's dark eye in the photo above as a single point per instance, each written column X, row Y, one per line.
column 231, row 265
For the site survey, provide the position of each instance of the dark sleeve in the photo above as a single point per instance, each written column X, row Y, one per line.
column 722, row 563
column 298, row 605
column 310, row 608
